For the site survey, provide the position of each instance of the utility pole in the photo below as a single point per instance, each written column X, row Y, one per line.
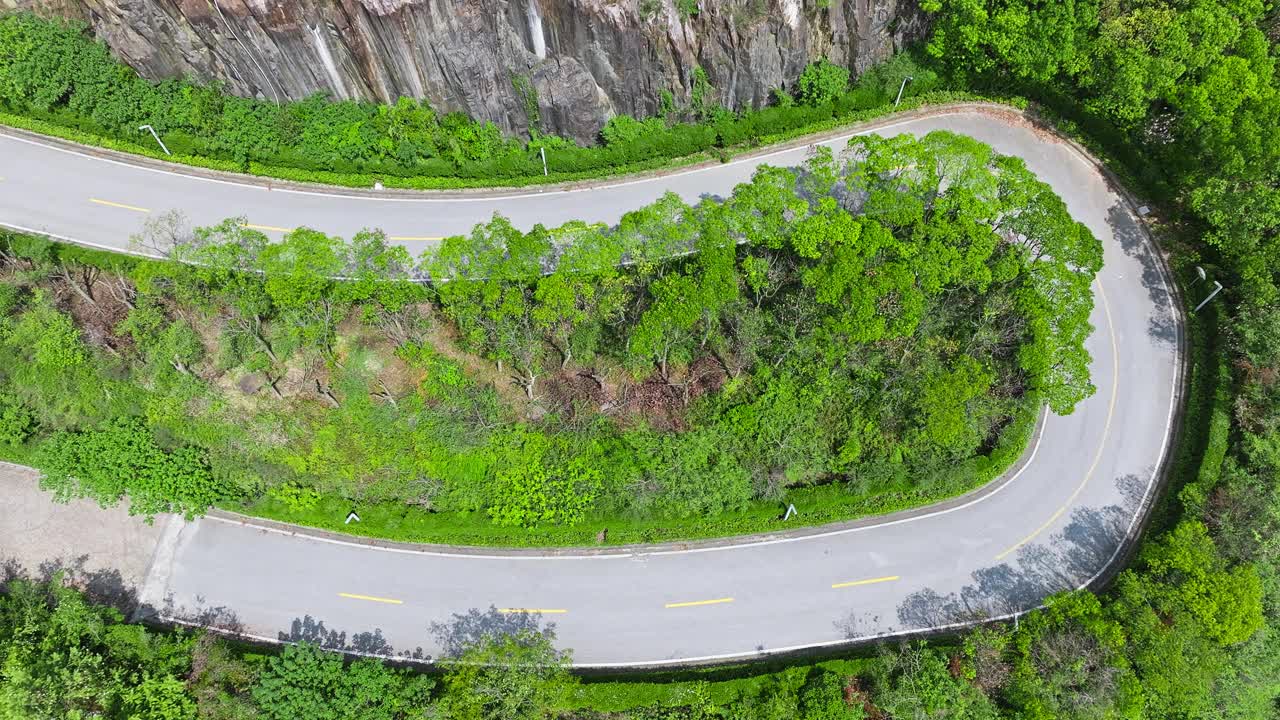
column 1216, row 290
column 905, row 80
column 157, row 137
column 543, row 151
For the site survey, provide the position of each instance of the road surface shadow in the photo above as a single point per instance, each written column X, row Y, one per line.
column 1133, row 240
column 219, row 618
column 1063, row 561
column 464, row 630
column 311, row 630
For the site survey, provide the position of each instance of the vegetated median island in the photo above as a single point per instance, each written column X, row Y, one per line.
column 869, row 332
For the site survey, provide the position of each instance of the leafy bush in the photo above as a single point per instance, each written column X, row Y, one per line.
column 121, row 458
column 10, row 299
column 17, row 422
column 52, row 338
column 823, row 698
column 821, row 82
column 295, row 496
column 304, row 681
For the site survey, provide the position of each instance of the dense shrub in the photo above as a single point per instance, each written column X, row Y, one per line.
column 821, row 82
column 121, row 458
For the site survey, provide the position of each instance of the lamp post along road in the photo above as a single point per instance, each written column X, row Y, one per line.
column 157, row 137
column 905, row 80
column 1217, row 289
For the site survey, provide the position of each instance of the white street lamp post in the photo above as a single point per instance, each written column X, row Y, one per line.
column 905, row 80
column 1216, row 290
column 157, row 137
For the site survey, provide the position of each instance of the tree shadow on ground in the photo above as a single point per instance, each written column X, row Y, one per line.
column 463, row 630
column 218, row 618
column 1134, row 242
column 1076, row 554
column 103, row 586
column 311, row 630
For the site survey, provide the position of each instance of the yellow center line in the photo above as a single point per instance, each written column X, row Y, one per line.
column 868, row 581
column 371, row 598
column 268, row 228
column 1106, row 428
column 699, row 602
column 122, row 206
column 411, row 238
column 530, row 611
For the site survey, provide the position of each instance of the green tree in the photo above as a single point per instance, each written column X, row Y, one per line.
column 64, row 657
column 1069, row 661
column 517, row 676
column 1184, row 566
column 298, row 275
column 821, row 82
column 306, row 681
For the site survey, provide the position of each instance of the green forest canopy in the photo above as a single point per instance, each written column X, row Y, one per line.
column 876, row 319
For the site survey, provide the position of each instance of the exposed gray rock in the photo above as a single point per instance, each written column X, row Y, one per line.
column 586, row 59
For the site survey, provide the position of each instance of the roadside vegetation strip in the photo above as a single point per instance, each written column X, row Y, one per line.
column 354, row 144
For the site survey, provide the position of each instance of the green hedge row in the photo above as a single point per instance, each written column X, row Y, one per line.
column 1207, row 424
column 406, row 145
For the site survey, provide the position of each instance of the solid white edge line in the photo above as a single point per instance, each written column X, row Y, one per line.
column 532, row 194
column 82, row 243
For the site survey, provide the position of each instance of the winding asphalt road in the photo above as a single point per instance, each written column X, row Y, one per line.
column 1058, row 521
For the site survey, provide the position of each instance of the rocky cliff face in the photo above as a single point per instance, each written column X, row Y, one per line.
column 583, row 59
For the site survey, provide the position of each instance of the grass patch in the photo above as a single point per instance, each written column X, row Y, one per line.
column 723, row 686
